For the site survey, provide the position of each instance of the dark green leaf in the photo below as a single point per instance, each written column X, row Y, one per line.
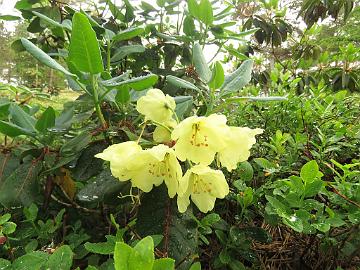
column 12, row 130
column 104, row 186
column 76, row 144
column 47, row 120
column 182, row 233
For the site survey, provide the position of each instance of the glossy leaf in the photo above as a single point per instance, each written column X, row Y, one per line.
column 84, row 51
column 20, row 187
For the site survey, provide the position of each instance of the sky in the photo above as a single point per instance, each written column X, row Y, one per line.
column 7, row 8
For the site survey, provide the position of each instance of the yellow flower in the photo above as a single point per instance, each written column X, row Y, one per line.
column 153, row 166
column 204, row 185
column 119, row 155
column 239, row 141
column 162, row 134
column 156, row 106
column 199, row 138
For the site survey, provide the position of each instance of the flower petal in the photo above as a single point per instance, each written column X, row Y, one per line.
column 239, row 143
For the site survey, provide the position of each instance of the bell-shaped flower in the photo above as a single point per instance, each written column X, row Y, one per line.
column 239, row 141
column 119, row 156
column 203, row 185
column 162, row 134
column 199, row 138
column 156, row 106
column 153, row 166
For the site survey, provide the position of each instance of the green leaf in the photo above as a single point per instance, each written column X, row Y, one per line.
column 87, row 164
column 64, row 120
column 31, row 212
column 246, row 171
column 34, row 261
column 143, row 255
column 104, row 186
column 200, row 63
column 4, row 109
column 138, row 83
column 205, row 12
column 181, row 83
column 128, row 34
column 21, row 118
column 278, row 206
column 8, row 227
column 76, row 144
column 46, row 120
column 51, row 21
column 182, row 230
column 194, row 8
column 12, row 130
column 9, row 18
column 43, row 57
column 104, row 248
column 124, row 51
column 5, row 264
column 21, row 186
column 4, row 218
column 294, row 223
column 217, row 76
column 313, row 188
column 84, row 51
column 195, row 266
column 164, row 264
column 122, row 255
column 238, row 79
column 60, row 259
column 309, row 171
column 122, row 95
column 183, row 105
column 189, row 26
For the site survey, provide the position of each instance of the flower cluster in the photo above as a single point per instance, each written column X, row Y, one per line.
column 198, row 141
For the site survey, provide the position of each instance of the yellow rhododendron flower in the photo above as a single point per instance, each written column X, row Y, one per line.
column 153, row 166
column 119, row 155
column 203, row 185
column 239, row 141
column 156, row 106
column 199, row 138
column 162, row 134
